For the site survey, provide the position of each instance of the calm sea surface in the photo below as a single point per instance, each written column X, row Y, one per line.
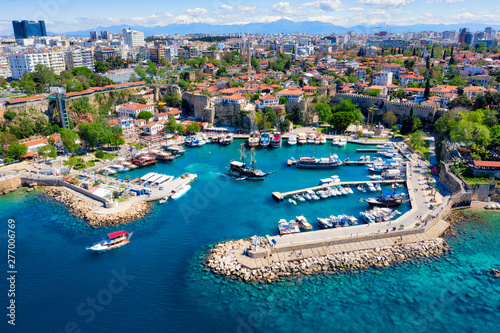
column 156, row 284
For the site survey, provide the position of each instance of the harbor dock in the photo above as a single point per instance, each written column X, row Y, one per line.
column 370, row 150
column 280, row 196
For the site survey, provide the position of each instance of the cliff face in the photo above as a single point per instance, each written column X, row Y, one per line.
column 196, row 104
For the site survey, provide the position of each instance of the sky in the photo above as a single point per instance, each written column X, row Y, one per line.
column 69, row 15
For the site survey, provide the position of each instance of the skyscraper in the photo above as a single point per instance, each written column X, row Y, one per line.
column 25, row 29
column 465, row 37
column 133, row 38
column 94, row 35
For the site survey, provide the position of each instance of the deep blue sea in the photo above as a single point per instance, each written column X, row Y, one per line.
column 156, row 283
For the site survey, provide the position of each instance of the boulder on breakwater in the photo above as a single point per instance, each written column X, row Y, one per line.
column 223, row 260
column 86, row 210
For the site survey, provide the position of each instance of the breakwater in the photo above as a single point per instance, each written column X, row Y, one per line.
column 224, row 259
column 86, row 210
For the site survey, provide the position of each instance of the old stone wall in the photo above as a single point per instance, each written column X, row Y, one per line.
column 226, row 114
column 400, row 109
column 9, row 184
column 305, row 116
column 196, row 104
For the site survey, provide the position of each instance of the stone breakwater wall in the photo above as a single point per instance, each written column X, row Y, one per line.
column 85, row 210
column 222, row 260
column 9, row 184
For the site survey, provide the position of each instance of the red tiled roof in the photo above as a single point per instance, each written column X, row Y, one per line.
column 26, row 99
column 488, row 164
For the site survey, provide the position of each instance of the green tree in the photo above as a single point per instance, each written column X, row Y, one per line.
column 193, row 128
column 173, row 100
column 142, row 100
column 341, row 120
column 69, row 139
column 323, row 111
column 282, row 100
column 427, row 90
column 271, row 115
column 146, row 115
column 82, row 105
column 16, row 150
column 417, row 139
column 389, row 119
column 9, row 115
column 47, row 151
column 44, row 76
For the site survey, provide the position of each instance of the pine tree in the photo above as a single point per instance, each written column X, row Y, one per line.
column 414, row 52
column 427, row 63
column 427, row 90
column 444, row 55
column 432, row 52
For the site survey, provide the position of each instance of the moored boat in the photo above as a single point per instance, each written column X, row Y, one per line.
column 265, row 139
column 177, row 193
column 302, row 138
column 292, row 140
column 114, row 240
column 276, row 140
column 386, row 200
column 302, row 221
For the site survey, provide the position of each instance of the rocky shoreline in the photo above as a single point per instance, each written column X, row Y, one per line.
column 222, row 260
column 85, row 210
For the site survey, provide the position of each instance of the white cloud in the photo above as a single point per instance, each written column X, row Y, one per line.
column 385, row 3
column 197, row 12
column 286, row 8
column 227, row 7
column 453, row 1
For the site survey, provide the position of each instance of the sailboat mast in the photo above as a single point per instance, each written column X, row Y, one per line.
column 252, row 159
column 242, row 151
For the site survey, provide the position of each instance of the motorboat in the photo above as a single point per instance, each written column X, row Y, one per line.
column 311, row 137
column 391, row 174
column 293, row 202
column 284, row 227
column 253, row 139
column 292, row 140
column 335, row 141
column 299, row 198
column 375, row 177
column 176, row 150
column 302, row 138
column 114, row 240
column 276, row 140
column 162, row 200
column 303, row 223
column 367, row 217
column 361, row 189
column 317, row 140
column 265, row 139
column 119, row 168
column 385, row 146
column 322, row 139
column 324, row 223
column 227, row 139
column 342, row 142
column 179, row 192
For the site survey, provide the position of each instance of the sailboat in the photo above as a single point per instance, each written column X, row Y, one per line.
column 241, row 170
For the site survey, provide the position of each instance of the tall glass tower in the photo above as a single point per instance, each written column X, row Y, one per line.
column 26, row 29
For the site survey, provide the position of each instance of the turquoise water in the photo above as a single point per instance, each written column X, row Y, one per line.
column 168, row 291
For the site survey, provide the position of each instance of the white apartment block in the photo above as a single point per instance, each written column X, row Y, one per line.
column 88, row 59
column 4, row 67
column 21, row 63
column 383, row 79
column 171, row 53
column 133, row 38
column 73, row 58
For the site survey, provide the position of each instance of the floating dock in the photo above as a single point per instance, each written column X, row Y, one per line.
column 281, row 196
column 371, row 150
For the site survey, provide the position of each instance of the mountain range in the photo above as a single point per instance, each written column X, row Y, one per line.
column 279, row 26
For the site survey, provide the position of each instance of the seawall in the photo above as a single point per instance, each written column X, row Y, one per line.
column 9, row 183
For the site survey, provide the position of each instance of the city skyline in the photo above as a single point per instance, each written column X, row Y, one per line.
column 62, row 16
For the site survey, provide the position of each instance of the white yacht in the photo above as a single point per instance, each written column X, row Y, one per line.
column 292, row 140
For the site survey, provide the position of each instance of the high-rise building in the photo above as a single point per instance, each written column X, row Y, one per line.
column 105, row 35
column 488, row 32
column 465, row 37
column 133, row 38
column 171, row 53
column 156, row 53
column 73, row 58
column 24, row 29
column 94, row 35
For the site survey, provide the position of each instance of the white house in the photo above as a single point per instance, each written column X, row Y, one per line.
column 291, row 94
column 410, row 78
column 233, row 99
column 133, row 109
column 267, row 101
column 153, row 128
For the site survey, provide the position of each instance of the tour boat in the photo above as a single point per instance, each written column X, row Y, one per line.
column 114, row 240
column 302, row 138
column 391, row 174
column 164, row 157
column 319, row 163
column 303, row 223
column 180, row 191
column 317, row 140
column 284, row 227
column 292, row 140
column 276, row 140
column 119, row 168
column 176, row 150
column 335, row 141
column 386, row 200
column 264, row 139
column 322, row 139
column 242, row 170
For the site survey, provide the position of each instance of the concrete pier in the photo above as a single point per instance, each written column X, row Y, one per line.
column 283, row 195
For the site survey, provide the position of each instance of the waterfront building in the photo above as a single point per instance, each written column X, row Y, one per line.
column 133, row 109
column 267, row 101
column 25, row 29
